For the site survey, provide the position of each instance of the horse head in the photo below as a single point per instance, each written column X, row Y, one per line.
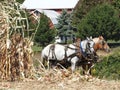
column 101, row 44
column 87, row 46
column 90, row 46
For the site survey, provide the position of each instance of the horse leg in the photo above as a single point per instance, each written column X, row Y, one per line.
column 88, row 71
column 48, row 64
column 73, row 64
column 84, row 67
column 44, row 62
column 73, row 67
column 53, row 63
column 89, row 68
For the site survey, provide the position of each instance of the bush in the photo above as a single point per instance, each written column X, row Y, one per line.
column 109, row 68
column 101, row 20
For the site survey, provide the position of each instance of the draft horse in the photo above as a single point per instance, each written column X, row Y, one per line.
column 100, row 44
column 67, row 53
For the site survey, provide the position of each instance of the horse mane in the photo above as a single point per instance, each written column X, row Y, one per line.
column 96, row 40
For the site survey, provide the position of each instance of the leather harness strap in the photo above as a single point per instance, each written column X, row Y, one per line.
column 78, row 52
column 52, row 48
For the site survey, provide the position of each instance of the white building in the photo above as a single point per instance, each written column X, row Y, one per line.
column 51, row 8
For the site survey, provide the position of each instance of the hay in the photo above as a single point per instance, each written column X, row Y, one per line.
column 15, row 49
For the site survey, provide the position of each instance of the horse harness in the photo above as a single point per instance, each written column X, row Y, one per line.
column 52, row 49
column 78, row 53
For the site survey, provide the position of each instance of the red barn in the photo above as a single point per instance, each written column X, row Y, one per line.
column 52, row 8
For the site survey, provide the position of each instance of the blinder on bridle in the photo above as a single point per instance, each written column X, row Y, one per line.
column 102, row 42
column 89, row 53
column 88, row 47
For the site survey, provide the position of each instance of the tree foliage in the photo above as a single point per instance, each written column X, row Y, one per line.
column 109, row 68
column 20, row 1
column 116, row 4
column 64, row 27
column 102, row 20
column 84, row 6
column 44, row 34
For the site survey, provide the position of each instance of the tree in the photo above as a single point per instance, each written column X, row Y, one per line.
column 102, row 20
column 20, row 1
column 64, row 27
column 116, row 4
column 84, row 6
column 44, row 34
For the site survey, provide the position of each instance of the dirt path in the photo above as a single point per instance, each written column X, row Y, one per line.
column 68, row 85
column 56, row 81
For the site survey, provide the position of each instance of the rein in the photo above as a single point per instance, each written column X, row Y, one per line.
column 72, row 55
column 79, row 52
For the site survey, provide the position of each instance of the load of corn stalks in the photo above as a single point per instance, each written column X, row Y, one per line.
column 15, row 48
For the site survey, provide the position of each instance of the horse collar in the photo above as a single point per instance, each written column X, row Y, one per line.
column 84, row 54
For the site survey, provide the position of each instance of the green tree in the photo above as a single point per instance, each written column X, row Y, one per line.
column 116, row 4
column 44, row 34
column 20, row 1
column 102, row 20
column 64, row 27
column 84, row 6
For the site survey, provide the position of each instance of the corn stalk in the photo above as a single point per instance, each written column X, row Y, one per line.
column 15, row 48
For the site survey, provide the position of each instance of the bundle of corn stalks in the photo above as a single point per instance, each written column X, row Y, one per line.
column 15, row 49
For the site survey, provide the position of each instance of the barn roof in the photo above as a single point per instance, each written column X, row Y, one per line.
column 49, row 4
column 53, row 15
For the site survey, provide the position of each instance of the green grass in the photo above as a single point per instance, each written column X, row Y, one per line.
column 116, row 50
column 36, row 48
column 113, row 41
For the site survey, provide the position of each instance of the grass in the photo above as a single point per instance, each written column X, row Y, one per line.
column 113, row 41
column 36, row 48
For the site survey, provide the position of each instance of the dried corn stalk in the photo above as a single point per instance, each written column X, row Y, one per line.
column 15, row 49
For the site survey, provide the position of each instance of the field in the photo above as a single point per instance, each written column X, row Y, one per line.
column 62, row 79
column 13, row 20
column 68, row 85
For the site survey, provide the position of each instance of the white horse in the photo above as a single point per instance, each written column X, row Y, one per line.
column 57, row 52
column 100, row 44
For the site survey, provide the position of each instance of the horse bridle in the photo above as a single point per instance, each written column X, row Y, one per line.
column 88, row 47
column 103, row 43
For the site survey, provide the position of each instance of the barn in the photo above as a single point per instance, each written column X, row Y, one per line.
column 52, row 8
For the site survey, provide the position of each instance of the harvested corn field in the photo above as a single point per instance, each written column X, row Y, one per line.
column 15, row 49
column 16, row 60
column 56, row 80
